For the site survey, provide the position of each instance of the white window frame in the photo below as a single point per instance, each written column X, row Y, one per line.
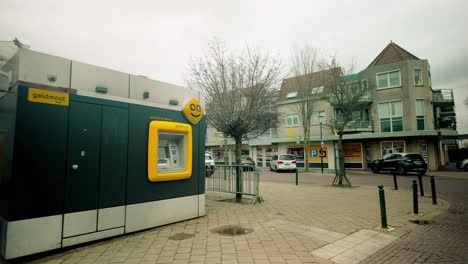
column 388, row 79
column 317, row 90
column 291, row 95
column 404, row 146
column 391, row 116
column 423, row 112
column 318, row 112
column 421, row 77
column 292, row 115
column 367, row 83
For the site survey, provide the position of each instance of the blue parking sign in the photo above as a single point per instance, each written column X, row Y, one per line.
column 313, row 153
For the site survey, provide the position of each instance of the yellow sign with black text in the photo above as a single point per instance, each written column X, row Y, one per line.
column 48, row 97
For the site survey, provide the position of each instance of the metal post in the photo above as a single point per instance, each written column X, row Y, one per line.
column 297, row 177
column 415, row 198
column 395, row 183
column 321, row 149
column 383, row 210
column 421, row 186
column 434, row 196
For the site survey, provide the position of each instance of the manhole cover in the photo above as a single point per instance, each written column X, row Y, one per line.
column 232, row 230
column 181, row 236
column 422, row 222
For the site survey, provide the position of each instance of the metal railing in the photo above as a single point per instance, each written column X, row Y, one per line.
column 224, row 179
column 443, row 96
column 360, row 125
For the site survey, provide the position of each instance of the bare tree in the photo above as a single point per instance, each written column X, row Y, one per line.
column 344, row 94
column 304, row 64
column 241, row 95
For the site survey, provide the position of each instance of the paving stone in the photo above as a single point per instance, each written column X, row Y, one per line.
column 312, row 218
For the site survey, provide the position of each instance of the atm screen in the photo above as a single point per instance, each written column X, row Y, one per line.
column 163, row 152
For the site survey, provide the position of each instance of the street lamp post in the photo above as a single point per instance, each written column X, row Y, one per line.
column 321, row 148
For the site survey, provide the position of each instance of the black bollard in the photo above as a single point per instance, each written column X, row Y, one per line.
column 395, row 183
column 297, row 177
column 415, row 198
column 383, row 210
column 434, row 196
column 421, row 186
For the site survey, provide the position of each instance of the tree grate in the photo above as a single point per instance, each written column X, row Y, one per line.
column 181, row 236
column 232, row 230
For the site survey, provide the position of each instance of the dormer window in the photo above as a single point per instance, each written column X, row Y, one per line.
column 317, row 90
column 291, row 95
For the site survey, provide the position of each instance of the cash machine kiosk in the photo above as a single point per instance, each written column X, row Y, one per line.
column 88, row 153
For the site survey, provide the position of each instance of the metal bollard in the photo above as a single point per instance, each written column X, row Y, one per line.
column 415, row 198
column 421, row 186
column 434, row 196
column 383, row 210
column 297, row 177
column 395, row 183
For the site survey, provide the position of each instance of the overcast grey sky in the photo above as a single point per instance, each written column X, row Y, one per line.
column 158, row 38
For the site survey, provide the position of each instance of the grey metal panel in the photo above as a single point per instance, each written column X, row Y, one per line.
column 159, row 92
column 79, row 223
column 111, row 218
column 151, row 214
column 26, row 237
column 85, row 78
column 36, row 67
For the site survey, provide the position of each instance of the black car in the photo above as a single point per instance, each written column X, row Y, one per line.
column 401, row 163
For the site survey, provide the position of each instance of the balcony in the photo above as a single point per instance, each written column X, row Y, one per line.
column 444, row 110
column 443, row 96
column 359, row 126
column 365, row 98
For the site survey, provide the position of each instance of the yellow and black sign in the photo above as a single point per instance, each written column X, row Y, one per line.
column 193, row 111
column 48, row 97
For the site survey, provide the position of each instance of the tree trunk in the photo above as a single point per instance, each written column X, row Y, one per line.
column 238, row 170
column 306, row 154
column 340, row 178
column 340, row 159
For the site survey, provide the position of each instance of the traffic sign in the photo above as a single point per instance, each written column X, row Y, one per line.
column 322, row 144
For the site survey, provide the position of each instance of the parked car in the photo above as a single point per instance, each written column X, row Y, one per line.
column 281, row 162
column 209, row 164
column 463, row 164
column 247, row 163
column 401, row 163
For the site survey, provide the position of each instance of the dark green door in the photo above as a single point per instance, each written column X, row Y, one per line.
column 84, row 141
column 97, row 168
column 114, row 141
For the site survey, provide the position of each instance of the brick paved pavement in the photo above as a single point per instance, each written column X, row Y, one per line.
column 339, row 210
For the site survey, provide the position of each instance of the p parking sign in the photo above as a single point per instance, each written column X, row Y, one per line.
column 313, row 153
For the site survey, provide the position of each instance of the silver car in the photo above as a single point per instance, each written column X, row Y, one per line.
column 286, row 162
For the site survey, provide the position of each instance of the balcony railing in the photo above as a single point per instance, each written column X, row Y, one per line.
column 366, row 98
column 360, row 126
column 442, row 96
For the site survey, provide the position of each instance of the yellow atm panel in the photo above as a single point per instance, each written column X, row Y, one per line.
column 169, row 151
